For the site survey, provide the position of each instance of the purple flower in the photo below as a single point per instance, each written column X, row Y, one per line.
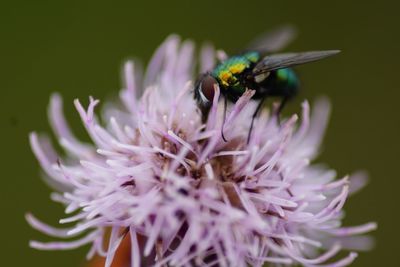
column 185, row 197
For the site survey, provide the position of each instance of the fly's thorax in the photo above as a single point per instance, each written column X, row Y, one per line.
column 230, row 73
column 252, row 56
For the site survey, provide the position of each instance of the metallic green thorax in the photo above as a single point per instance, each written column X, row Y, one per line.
column 227, row 73
column 232, row 76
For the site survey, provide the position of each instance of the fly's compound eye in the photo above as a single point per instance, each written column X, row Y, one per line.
column 206, row 89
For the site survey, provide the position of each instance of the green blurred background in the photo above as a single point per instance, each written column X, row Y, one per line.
column 77, row 48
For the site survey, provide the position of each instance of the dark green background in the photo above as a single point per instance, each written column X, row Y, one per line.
column 77, row 47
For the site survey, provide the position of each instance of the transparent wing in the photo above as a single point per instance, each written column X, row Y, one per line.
column 281, row 61
column 275, row 40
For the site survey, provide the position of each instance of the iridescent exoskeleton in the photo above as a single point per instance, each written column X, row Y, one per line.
column 270, row 75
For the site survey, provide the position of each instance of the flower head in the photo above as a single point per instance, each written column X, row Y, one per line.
column 158, row 176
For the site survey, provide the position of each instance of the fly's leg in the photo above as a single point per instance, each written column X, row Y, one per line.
column 280, row 108
column 223, row 122
column 260, row 104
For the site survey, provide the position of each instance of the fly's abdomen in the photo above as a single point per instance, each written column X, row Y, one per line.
column 282, row 83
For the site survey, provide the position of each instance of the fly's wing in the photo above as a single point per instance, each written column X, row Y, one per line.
column 275, row 40
column 281, row 61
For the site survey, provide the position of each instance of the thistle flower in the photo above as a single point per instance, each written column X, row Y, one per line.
column 159, row 177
